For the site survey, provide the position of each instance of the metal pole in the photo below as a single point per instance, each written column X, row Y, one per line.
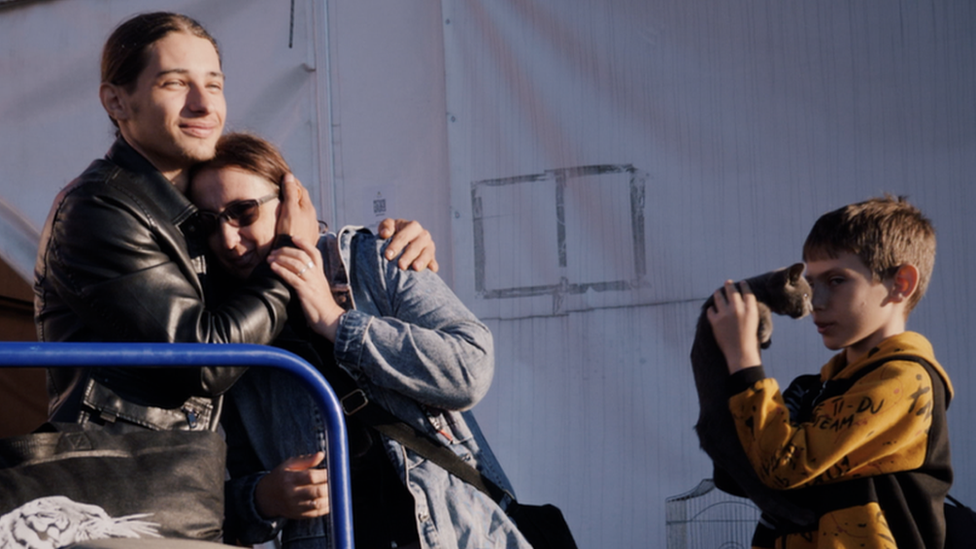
column 142, row 355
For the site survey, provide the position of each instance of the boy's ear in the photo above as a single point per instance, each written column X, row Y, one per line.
column 904, row 282
column 113, row 100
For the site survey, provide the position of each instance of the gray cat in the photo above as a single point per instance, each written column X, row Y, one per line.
column 785, row 292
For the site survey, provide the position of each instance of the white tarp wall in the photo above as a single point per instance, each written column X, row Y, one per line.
column 591, row 170
column 738, row 123
column 353, row 92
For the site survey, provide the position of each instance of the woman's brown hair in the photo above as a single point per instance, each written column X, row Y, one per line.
column 247, row 152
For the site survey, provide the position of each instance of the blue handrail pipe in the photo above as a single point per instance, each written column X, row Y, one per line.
column 143, row 355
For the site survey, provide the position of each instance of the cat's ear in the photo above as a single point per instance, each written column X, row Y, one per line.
column 796, row 271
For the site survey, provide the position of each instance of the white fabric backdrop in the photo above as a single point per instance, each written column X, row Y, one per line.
column 749, row 120
column 741, row 122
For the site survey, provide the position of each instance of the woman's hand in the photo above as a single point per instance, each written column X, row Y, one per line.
column 295, row 489
column 735, row 322
column 412, row 240
column 302, row 269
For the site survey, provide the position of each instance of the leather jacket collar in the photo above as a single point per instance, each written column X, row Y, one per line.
column 157, row 189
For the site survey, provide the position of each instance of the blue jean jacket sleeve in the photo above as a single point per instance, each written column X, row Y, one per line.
column 243, row 522
column 409, row 333
column 417, row 351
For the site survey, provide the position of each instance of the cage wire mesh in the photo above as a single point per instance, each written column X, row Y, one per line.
column 708, row 518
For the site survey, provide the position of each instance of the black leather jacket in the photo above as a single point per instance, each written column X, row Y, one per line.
column 119, row 261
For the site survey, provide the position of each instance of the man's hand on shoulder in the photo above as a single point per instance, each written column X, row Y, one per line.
column 411, row 242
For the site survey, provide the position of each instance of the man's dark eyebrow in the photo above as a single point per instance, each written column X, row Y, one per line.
column 212, row 74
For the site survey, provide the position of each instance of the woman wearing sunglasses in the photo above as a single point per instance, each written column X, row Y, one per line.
column 405, row 340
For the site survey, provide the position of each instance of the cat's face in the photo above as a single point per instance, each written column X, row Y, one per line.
column 792, row 292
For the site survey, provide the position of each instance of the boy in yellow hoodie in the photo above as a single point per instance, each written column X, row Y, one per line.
column 865, row 442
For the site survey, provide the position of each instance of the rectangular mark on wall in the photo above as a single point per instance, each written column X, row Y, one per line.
column 561, row 233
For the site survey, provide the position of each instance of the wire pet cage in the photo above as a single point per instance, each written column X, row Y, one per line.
column 708, row 518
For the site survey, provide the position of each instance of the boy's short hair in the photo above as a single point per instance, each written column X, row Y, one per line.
column 885, row 232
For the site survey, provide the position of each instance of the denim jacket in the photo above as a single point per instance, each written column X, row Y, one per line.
column 416, row 350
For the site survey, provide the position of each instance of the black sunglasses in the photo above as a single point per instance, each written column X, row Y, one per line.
column 238, row 214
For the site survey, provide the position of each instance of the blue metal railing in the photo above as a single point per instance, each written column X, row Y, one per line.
column 190, row 354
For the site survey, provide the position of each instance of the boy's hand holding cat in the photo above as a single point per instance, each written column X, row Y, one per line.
column 735, row 321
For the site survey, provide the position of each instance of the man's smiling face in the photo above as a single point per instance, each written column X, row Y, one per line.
column 175, row 113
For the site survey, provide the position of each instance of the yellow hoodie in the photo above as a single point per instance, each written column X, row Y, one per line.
column 880, row 418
